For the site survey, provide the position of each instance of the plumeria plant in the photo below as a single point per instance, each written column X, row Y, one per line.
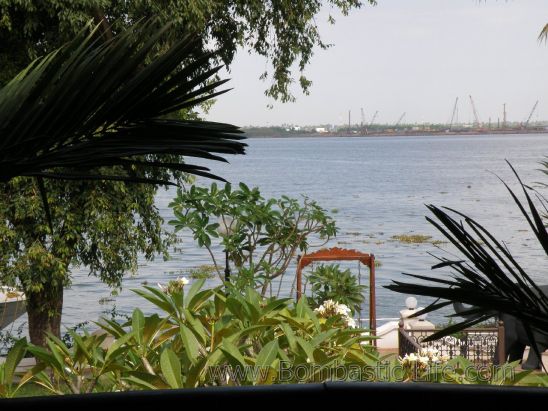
column 174, row 286
column 331, row 308
column 261, row 236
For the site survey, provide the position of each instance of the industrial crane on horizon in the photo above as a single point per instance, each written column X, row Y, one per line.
column 374, row 117
column 455, row 114
column 531, row 115
column 400, row 119
column 476, row 117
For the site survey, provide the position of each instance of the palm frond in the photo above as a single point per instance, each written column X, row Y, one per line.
column 490, row 278
column 94, row 103
column 543, row 36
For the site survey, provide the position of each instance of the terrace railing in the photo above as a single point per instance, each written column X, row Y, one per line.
column 479, row 345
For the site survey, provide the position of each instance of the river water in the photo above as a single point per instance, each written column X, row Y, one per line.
column 376, row 188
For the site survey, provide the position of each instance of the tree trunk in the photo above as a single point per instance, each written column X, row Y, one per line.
column 44, row 310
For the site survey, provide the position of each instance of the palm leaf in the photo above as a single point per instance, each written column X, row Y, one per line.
column 489, row 278
column 543, row 36
column 92, row 103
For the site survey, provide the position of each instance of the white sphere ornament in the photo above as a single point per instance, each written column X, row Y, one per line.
column 411, row 303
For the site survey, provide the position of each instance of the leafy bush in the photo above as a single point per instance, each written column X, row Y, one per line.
column 207, row 338
column 204, row 338
column 329, row 282
column 262, row 235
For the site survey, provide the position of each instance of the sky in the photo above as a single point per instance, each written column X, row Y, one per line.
column 412, row 56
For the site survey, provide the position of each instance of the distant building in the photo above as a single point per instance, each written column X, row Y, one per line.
column 321, row 130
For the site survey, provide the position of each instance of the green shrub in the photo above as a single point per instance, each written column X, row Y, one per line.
column 329, row 282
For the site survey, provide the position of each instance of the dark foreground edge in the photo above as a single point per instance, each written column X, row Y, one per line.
column 420, row 395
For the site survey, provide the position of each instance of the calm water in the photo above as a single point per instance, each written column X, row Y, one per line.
column 378, row 188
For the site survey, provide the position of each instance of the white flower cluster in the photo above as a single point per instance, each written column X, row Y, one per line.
column 330, row 308
column 174, row 285
column 424, row 357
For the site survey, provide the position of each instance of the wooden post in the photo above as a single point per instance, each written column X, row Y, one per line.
column 372, row 305
column 500, row 346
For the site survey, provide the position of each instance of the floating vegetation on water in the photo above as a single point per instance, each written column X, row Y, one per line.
column 105, row 300
column 335, row 210
column 379, row 242
column 444, row 192
column 416, row 239
column 202, row 271
column 343, row 242
column 355, row 233
column 378, row 263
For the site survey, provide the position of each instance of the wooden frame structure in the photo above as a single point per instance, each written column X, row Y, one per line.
column 341, row 254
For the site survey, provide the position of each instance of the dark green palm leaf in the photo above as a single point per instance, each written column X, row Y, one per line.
column 490, row 279
column 94, row 103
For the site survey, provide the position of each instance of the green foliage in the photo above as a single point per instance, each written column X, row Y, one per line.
column 262, row 235
column 207, row 338
column 93, row 113
column 7, row 370
column 284, row 32
column 329, row 282
column 77, row 369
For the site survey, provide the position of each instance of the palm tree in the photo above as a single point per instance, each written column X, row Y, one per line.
column 488, row 277
column 94, row 104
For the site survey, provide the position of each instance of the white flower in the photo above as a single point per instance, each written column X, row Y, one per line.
column 331, row 308
column 320, row 310
column 161, row 287
column 411, row 357
column 350, row 322
column 182, row 280
column 428, row 352
column 342, row 309
column 424, row 360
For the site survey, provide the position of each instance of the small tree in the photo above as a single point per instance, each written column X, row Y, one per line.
column 262, row 235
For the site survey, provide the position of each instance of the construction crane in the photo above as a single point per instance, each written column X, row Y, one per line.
column 476, row 117
column 455, row 114
column 399, row 120
column 531, row 115
column 373, row 119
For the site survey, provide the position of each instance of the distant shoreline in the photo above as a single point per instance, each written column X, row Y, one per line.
column 406, row 134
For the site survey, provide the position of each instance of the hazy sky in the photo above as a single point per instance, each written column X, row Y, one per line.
column 413, row 56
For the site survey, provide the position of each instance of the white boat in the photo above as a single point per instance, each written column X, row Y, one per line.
column 12, row 305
